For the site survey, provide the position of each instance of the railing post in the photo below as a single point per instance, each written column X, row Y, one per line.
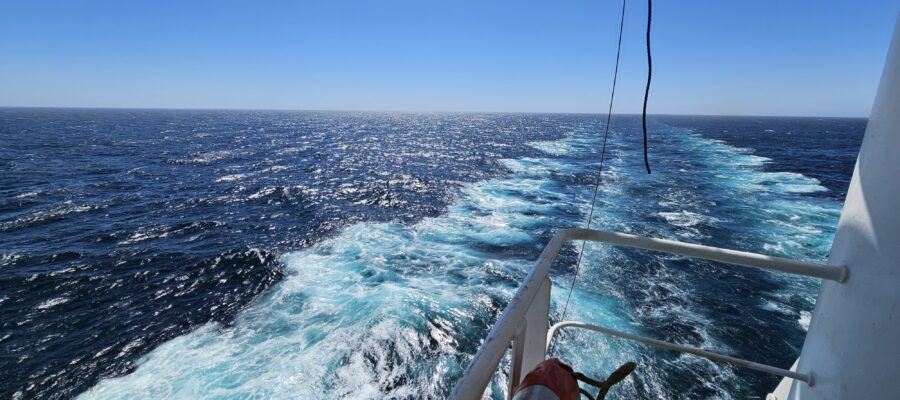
column 515, row 360
column 529, row 343
column 537, row 322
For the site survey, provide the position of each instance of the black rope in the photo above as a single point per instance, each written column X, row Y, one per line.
column 597, row 180
column 617, row 376
column 647, row 90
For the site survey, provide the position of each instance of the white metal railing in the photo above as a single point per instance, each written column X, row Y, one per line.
column 524, row 322
column 684, row 349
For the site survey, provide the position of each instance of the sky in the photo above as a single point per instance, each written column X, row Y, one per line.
column 761, row 57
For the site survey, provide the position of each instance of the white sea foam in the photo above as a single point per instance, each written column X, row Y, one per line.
column 27, row 195
column 553, row 147
column 685, row 218
column 275, row 168
column 54, row 212
column 207, row 158
column 263, row 192
column 534, row 166
column 232, row 177
column 805, row 319
column 52, row 303
column 9, row 258
column 789, row 182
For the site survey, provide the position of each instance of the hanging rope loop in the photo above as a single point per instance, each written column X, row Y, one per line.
column 647, row 89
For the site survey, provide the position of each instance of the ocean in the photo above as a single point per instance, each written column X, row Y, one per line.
column 274, row 254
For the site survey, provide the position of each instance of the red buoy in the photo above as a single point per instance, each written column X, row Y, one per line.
column 550, row 380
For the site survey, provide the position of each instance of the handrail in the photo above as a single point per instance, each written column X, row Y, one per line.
column 478, row 373
column 808, row 378
column 733, row 257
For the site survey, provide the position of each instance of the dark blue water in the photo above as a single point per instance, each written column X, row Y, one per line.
column 282, row 254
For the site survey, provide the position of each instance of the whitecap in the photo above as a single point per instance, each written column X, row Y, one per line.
column 232, row 177
column 805, row 319
column 27, row 195
column 684, row 218
column 52, row 303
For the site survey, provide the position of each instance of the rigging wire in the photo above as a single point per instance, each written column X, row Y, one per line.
column 599, row 176
column 647, row 89
column 612, row 96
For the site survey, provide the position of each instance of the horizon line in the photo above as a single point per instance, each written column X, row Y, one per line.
column 153, row 108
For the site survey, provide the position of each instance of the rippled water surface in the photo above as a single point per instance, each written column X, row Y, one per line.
column 236, row 254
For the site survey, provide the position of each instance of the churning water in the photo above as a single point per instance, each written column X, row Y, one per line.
column 232, row 254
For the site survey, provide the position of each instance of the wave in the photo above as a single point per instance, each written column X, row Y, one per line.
column 387, row 310
column 48, row 214
column 359, row 315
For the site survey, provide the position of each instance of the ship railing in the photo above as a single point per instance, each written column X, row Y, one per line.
column 525, row 321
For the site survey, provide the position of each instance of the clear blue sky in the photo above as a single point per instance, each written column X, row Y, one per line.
column 750, row 57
